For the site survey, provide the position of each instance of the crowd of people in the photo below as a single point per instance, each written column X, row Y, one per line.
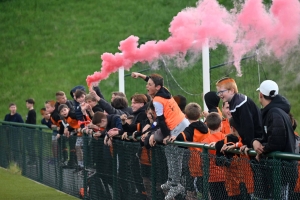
column 157, row 117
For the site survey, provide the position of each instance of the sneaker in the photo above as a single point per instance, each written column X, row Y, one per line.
column 166, row 186
column 90, row 172
column 174, row 191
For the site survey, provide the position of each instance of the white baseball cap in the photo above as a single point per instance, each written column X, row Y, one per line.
column 266, row 88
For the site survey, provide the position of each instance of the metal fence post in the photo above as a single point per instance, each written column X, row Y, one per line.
column 22, row 139
column 40, row 154
column 115, row 171
column 153, row 172
column 276, row 176
column 205, row 164
column 85, row 159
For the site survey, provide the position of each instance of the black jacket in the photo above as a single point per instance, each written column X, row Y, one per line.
column 31, row 117
column 111, row 110
column 68, row 103
column 278, row 130
column 212, row 101
column 247, row 117
column 113, row 121
column 189, row 131
column 139, row 116
column 224, row 159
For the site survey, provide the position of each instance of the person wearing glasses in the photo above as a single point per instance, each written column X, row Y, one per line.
column 243, row 110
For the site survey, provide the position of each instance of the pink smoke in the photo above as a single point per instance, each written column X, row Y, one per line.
column 241, row 32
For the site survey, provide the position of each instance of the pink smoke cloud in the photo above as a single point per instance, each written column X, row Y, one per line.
column 278, row 29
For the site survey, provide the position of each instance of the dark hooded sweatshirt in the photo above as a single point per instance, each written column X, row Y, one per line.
column 212, row 101
column 111, row 110
column 247, row 117
column 278, row 130
column 76, row 105
column 189, row 134
column 139, row 116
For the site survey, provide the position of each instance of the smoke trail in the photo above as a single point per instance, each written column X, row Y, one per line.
column 276, row 31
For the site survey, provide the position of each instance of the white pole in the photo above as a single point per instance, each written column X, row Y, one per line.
column 206, row 73
column 121, row 80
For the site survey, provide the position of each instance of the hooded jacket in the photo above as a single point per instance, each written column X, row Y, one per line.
column 76, row 105
column 195, row 132
column 278, row 130
column 78, row 87
column 212, row 101
column 247, row 117
column 139, row 116
column 111, row 110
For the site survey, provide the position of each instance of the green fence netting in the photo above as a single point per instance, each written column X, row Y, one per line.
column 129, row 171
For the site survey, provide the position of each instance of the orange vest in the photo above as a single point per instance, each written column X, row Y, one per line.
column 72, row 122
column 220, row 112
column 216, row 173
column 146, row 154
column 225, row 126
column 195, row 163
column 238, row 172
column 56, row 123
column 297, row 186
column 173, row 114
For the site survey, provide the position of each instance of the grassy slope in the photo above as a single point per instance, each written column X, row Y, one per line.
column 51, row 45
column 15, row 186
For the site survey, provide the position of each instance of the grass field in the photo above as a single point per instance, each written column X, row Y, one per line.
column 15, row 186
column 51, row 45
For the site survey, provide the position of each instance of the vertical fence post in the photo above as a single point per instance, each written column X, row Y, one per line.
column 153, row 172
column 205, row 164
column 206, row 71
column 40, row 143
column 22, row 140
column 276, row 176
column 115, row 170
column 85, row 159
column 60, row 170
column 121, row 80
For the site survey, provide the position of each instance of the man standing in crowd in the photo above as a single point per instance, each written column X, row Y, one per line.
column 278, row 130
column 278, row 134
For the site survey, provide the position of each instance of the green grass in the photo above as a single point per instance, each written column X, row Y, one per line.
column 47, row 46
column 52, row 45
column 13, row 168
column 15, row 186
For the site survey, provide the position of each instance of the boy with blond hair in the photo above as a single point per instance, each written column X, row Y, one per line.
column 197, row 131
column 93, row 103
